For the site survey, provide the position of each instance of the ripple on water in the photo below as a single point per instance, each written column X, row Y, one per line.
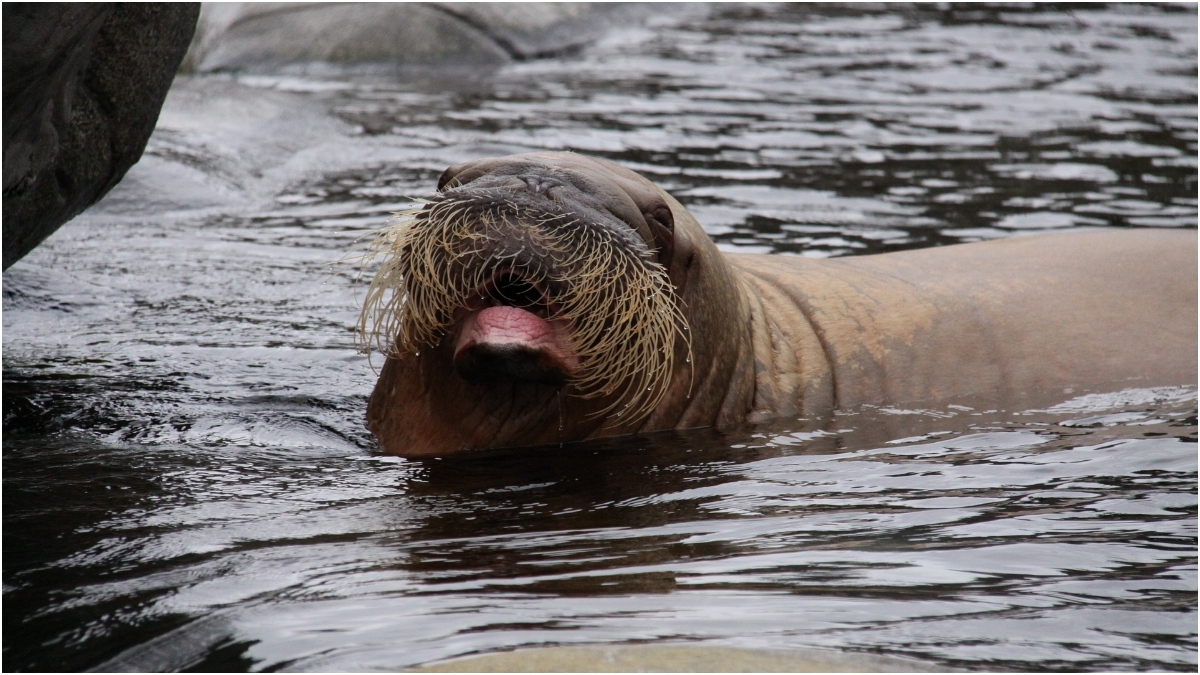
column 188, row 483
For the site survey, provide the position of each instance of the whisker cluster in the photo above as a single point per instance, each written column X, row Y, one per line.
column 623, row 311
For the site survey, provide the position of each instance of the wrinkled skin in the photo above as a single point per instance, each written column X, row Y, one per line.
column 774, row 336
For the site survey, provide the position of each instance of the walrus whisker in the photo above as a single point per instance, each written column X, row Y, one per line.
column 619, row 302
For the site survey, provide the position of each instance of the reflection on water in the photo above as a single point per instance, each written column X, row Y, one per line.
column 188, row 483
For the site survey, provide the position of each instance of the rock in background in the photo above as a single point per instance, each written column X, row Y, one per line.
column 303, row 37
column 83, row 85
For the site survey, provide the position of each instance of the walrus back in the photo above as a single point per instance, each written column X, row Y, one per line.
column 1009, row 319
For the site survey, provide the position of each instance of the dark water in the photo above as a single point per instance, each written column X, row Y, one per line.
column 187, row 480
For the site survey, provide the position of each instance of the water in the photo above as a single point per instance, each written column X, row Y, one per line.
column 188, row 483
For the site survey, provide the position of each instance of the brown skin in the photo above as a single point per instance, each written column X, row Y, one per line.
column 776, row 336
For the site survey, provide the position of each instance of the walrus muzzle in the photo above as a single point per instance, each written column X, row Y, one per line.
column 535, row 279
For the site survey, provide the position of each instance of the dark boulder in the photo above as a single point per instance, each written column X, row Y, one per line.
column 83, row 85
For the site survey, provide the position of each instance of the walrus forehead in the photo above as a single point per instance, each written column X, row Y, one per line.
column 584, row 187
column 547, row 201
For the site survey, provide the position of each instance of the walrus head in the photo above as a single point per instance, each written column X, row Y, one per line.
column 534, row 292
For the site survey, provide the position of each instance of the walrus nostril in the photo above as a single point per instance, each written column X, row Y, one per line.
column 539, row 184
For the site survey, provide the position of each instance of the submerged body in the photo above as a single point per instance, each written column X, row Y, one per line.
column 769, row 336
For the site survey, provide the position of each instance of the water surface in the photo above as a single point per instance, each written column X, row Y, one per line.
column 188, row 483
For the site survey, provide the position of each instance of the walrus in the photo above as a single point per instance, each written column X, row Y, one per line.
column 551, row 297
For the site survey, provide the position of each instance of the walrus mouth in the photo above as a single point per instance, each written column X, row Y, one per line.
column 529, row 294
column 509, row 332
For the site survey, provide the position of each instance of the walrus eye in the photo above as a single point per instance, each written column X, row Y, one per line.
column 448, row 176
column 662, row 228
column 662, row 217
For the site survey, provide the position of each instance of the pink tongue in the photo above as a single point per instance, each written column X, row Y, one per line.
column 500, row 325
column 512, row 325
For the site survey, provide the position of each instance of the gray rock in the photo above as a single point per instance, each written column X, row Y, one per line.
column 83, row 85
column 312, row 37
